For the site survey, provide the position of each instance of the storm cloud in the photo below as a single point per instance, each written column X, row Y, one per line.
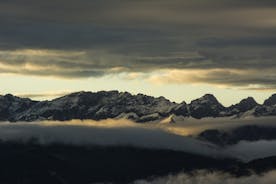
column 81, row 39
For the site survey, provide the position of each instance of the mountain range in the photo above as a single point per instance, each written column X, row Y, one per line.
column 114, row 104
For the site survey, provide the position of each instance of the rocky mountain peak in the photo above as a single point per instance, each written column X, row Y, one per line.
column 181, row 109
column 270, row 101
column 243, row 106
column 9, row 96
column 249, row 100
column 115, row 104
column 206, row 106
column 207, row 98
column 11, row 105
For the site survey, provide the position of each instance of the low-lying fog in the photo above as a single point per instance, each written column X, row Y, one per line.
column 190, row 126
column 205, row 177
column 163, row 135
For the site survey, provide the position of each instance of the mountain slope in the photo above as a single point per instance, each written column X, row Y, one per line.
column 11, row 105
column 100, row 105
column 114, row 104
column 206, row 106
column 270, row 101
column 243, row 106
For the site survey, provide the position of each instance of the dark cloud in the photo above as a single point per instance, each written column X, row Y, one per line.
column 243, row 41
column 140, row 36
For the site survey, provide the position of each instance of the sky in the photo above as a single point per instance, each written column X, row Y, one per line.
column 180, row 49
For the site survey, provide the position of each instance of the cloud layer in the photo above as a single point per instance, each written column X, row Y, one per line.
column 83, row 39
column 152, row 136
column 104, row 133
column 212, row 178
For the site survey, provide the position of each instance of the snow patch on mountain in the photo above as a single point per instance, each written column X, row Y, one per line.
column 114, row 104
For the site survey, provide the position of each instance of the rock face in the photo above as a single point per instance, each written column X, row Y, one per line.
column 181, row 110
column 270, row 101
column 246, row 104
column 206, row 106
column 265, row 111
column 243, row 106
column 100, row 105
column 11, row 105
column 114, row 104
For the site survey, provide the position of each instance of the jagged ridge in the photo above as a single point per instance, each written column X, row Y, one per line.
column 114, row 104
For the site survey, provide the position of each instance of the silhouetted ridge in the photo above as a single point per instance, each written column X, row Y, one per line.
column 206, row 106
column 270, row 101
column 11, row 105
column 244, row 105
column 115, row 104
column 100, row 105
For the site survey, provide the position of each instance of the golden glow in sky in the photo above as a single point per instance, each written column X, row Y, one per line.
column 51, row 87
column 179, row 49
